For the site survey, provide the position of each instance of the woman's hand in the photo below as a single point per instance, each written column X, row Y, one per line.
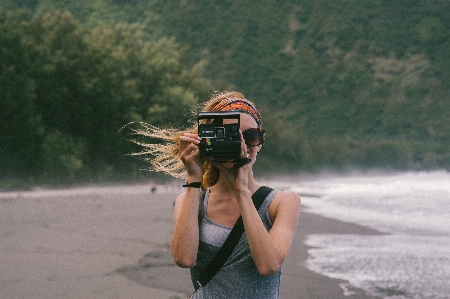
column 238, row 178
column 190, row 156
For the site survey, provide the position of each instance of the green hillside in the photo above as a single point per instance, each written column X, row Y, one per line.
column 340, row 83
column 344, row 82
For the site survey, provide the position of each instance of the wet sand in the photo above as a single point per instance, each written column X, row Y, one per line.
column 114, row 242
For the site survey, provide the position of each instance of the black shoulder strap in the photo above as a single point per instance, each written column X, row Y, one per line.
column 230, row 243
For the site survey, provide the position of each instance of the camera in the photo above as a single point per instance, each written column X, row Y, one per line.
column 219, row 142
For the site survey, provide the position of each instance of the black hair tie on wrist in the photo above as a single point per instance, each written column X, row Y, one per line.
column 193, row 184
column 241, row 162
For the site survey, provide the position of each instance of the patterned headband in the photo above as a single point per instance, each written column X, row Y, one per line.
column 240, row 105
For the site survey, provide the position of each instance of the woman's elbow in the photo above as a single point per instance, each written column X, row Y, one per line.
column 185, row 264
column 183, row 255
column 269, row 269
column 184, row 261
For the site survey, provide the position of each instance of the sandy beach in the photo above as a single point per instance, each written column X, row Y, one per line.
column 114, row 242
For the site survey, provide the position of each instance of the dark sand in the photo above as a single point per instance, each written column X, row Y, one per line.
column 114, row 242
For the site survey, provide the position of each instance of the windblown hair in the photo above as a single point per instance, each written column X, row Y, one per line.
column 160, row 147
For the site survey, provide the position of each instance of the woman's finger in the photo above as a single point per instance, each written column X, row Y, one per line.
column 186, row 140
column 189, row 148
column 190, row 136
column 244, row 153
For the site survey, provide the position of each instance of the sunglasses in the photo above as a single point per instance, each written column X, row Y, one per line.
column 254, row 136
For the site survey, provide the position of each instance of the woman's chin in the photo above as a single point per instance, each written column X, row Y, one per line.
column 228, row 165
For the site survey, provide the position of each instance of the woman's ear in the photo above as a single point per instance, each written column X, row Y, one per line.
column 260, row 146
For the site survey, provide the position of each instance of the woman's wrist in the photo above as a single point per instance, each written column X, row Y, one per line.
column 193, row 185
column 243, row 193
column 194, row 178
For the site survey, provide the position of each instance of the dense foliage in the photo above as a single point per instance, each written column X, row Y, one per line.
column 66, row 90
column 340, row 83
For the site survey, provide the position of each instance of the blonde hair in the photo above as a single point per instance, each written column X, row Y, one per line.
column 163, row 154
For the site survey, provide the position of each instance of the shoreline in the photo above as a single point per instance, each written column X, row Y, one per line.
column 115, row 242
column 309, row 284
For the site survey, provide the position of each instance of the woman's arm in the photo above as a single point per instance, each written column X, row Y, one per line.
column 269, row 249
column 185, row 237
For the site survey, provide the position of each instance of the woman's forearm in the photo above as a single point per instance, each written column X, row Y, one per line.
column 185, row 237
column 265, row 252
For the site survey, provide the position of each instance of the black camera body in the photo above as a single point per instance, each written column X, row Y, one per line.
column 219, row 142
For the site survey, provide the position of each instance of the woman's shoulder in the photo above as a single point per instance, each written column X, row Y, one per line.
column 284, row 200
column 183, row 197
column 287, row 195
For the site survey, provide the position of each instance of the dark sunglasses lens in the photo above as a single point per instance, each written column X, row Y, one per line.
column 253, row 137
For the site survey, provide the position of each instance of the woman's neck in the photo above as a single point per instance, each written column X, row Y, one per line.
column 224, row 186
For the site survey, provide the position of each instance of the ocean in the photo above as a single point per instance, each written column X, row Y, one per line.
column 412, row 260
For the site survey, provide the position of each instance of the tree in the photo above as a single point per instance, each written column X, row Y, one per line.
column 20, row 124
column 67, row 90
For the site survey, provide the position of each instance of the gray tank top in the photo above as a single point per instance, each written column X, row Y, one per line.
column 239, row 277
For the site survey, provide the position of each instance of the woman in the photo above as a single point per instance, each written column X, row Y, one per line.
column 254, row 272
column 205, row 216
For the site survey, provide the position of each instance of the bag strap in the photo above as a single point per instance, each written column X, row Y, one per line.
column 230, row 243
